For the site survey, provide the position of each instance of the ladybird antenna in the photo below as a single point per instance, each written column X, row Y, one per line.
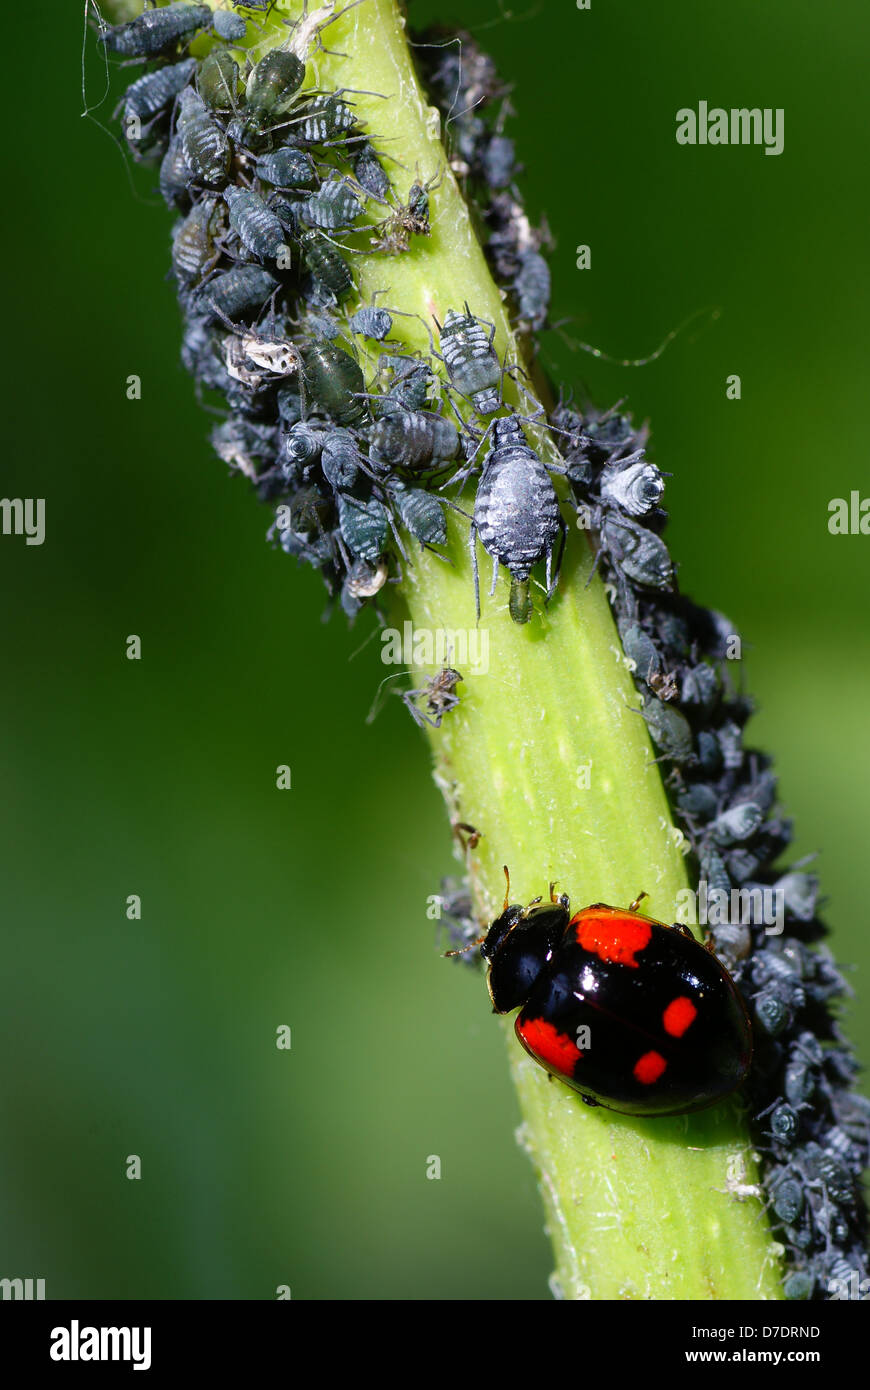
column 507, row 887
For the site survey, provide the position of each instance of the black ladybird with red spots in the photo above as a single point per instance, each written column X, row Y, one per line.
column 635, row 1015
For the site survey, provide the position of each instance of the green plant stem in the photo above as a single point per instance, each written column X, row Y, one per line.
column 636, row 1209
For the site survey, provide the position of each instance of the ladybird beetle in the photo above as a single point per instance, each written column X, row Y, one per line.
column 635, row 1015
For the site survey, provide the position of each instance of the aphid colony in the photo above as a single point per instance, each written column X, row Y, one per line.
column 275, row 185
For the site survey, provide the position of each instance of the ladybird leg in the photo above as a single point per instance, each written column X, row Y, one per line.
column 632, row 907
column 553, row 898
column 460, row 951
column 461, row 829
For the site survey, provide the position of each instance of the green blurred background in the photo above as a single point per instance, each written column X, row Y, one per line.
column 307, row 908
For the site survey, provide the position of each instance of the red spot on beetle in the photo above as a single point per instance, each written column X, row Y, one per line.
column 555, row 1049
column 616, row 936
column 678, row 1016
column 649, row 1067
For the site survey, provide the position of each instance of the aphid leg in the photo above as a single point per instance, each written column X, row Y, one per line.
column 494, row 577
column 472, row 539
column 553, row 584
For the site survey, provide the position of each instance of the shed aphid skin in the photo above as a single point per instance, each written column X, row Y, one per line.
column 277, row 188
column 437, row 697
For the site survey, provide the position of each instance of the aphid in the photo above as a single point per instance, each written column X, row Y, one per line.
column 415, row 439
column 393, row 234
column 327, row 264
column 334, row 380
column 737, row 824
column 700, row 687
column 641, row 555
column 471, row 361
column 784, row 1124
column 302, row 446
column 499, row 161
column 420, row 512
column 323, row 121
column 236, row 293
column 206, row 148
column 228, row 26
column 516, row 515
column 631, row 484
column 340, row 459
column 669, row 729
column 730, row 738
column 333, row 207
column 364, row 525
column 218, row 78
column 257, row 228
column 409, row 385
column 635, row 1015
column 438, row 695
column 286, row 168
column 154, row 91
column 153, row 31
column 371, row 322
column 370, row 173
column 174, row 175
column 531, row 286
column 245, row 445
column 365, row 580
column 193, row 241
column 271, row 88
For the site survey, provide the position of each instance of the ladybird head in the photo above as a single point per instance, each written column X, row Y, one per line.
column 518, row 945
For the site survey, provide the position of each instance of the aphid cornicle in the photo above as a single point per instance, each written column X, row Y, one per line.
column 471, row 360
column 635, row 1015
column 516, row 514
column 154, row 31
